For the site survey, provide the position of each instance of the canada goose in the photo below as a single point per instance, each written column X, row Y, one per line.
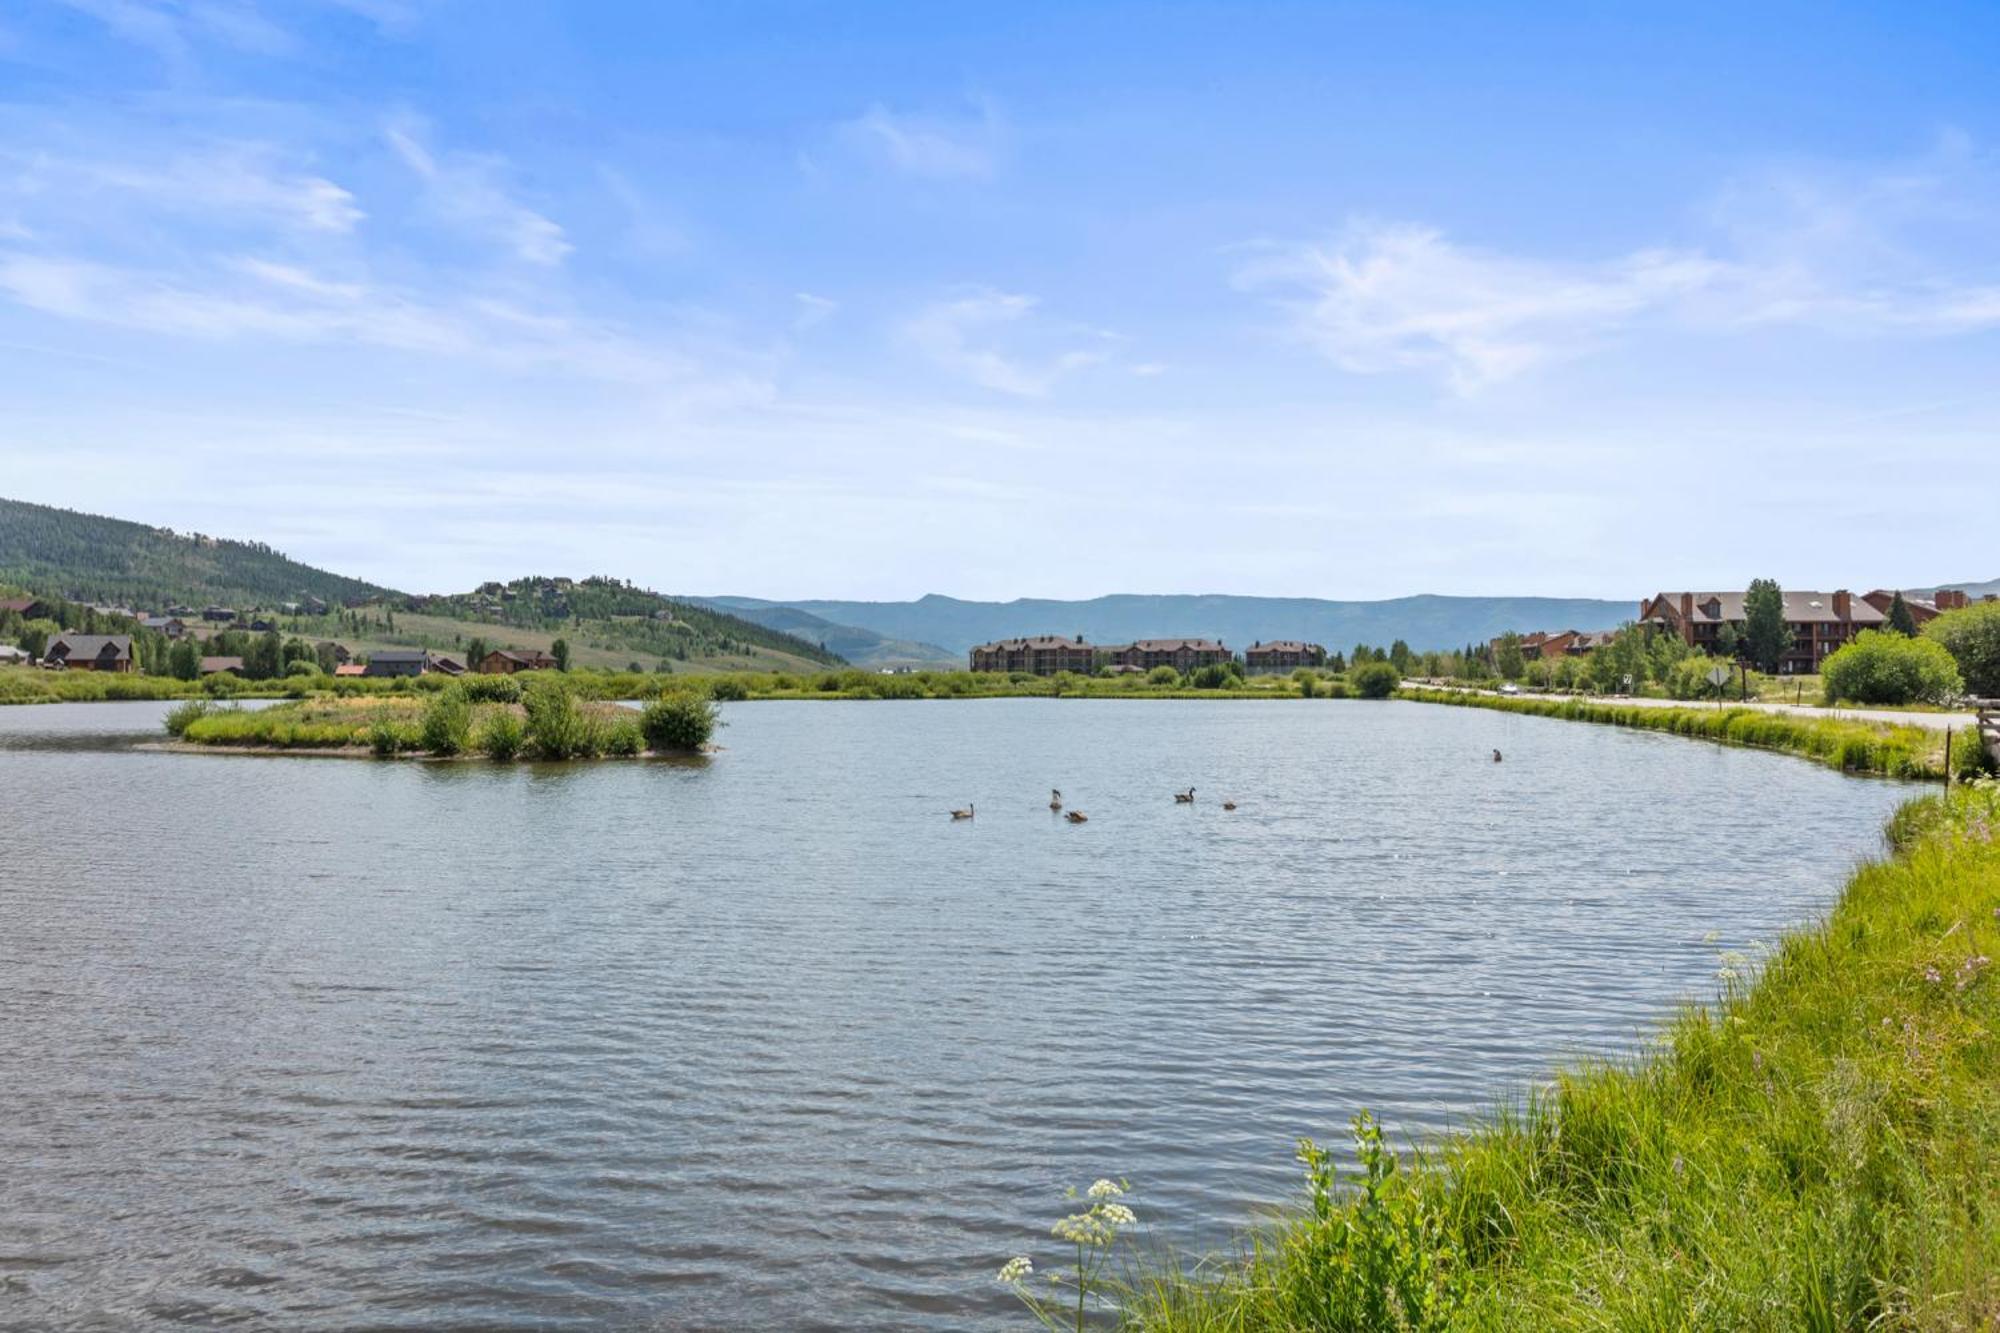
column 1055, row 799
column 1496, row 756
column 963, row 814
column 1184, row 797
column 1076, row 817
column 1229, row 805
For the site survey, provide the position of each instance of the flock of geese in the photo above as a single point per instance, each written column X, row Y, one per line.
column 1077, row 816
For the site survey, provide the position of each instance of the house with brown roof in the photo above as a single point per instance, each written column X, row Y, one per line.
column 506, row 661
column 1283, row 655
column 89, row 652
column 28, row 608
column 1181, row 654
column 1041, row 654
column 215, row 666
column 1819, row 621
column 1923, row 610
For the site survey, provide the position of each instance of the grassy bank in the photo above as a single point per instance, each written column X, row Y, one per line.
column 1817, row 1150
column 1853, row 747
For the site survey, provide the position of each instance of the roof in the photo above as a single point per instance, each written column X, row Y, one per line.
column 159, row 622
column 1284, row 646
column 1175, row 645
column 1044, row 641
column 12, row 654
column 396, row 655
column 1715, row 608
column 522, row 655
column 19, row 605
column 82, row 646
column 211, row 665
column 350, row 669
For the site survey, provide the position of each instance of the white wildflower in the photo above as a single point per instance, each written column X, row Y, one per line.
column 1118, row 1215
column 1017, row 1269
column 1082, row 1229
column 1106, row 1189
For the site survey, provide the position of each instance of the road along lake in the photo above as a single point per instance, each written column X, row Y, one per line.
column 767, row 1040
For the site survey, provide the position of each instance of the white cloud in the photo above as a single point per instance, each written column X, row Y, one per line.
column 961, row 335
column 937, row 149
column 218, row 182
column 812, row 310
column 464, row 191
column 171, row 29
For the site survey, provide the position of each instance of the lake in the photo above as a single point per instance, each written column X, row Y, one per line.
column 767, row 1040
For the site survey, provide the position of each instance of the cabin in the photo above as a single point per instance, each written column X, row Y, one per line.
column 1819, row 622
column 171, row 626
column 1041, row 654
column 218, row 615
column 1283, row 655
column 1182, row 655
column 89, row 652
column 216, row 666
column 28, row 608
column 411, row 662
column 12, row 656
column 337, row 651
column 506, row 661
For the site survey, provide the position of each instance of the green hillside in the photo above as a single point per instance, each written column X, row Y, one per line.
column 89, row 558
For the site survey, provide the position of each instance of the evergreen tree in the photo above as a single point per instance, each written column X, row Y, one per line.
column 560, row 651
column 1900, row 619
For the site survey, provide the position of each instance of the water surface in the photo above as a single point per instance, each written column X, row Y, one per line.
column 769, row 1041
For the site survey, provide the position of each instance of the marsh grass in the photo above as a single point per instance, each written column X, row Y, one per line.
column 1817, row 1150
column 1854, row 747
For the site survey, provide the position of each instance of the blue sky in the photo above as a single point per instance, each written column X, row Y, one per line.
column 1000, row 300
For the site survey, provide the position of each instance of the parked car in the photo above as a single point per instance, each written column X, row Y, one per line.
column 1510, row 688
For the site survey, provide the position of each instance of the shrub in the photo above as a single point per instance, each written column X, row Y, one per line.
column 728, row 689
column 1214, row 676
column 181, row 716
column 557, row 727
column 1969, row 756
column 1879, row 668
column 623, row 737
column 503, row 736
column 1163, row 675
column 1375, row 680
column 446, row 725
column 385, row 738
column 897, row 687
column 678, row 722
column 1972, row 636
column 1308, row 684
column 1336, row 689
column 491, row 689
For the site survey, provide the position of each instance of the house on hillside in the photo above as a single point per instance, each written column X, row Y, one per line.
column 89, row 652
column 410, row 662
column 218, row 615
column 1181, row 654
column 1042, row 654
column 1819, row 622
column 1283, row 655
column 506, row 661
column 215, row 666
column 28, row 608
column 171, row 626
column 12, row 656
column 337, row 651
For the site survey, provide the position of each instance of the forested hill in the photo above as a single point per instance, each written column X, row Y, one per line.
column 624, row 616
column 90, row 558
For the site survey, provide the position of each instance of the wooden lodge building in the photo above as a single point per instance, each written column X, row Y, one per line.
column 1283, row 655
column 410, row 662
column 506, row 661
column 1820, row 622
column 89, row 652
column 1043, row 654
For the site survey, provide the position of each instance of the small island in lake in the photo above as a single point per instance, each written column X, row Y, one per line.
column 492, row 718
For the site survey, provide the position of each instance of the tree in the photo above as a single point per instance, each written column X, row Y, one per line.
column 1375, row 680
column 1900, row 619
column 184, row 662
column 1972, row 636
column 35, row 636
column 474, row 651
column 560, row 651
column 1766, row 636
column 1889, row 668
column 1399, row 656
column 1508, row 659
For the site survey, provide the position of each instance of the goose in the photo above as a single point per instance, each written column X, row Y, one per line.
column 963, row 814
column 1076, row 817
column 1184, row 797
column 1229, row 805
column 1055, row 799
column 1496, row 756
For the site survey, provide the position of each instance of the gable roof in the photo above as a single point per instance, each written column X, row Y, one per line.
column 89, row 646
column 1718, row 608
column 1175, row 645
column 1284, row 646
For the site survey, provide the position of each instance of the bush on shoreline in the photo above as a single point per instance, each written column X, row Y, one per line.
column 678, row 721
column 1887, row 668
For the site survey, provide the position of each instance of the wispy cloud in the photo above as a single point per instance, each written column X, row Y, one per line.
column 963, row 335
column 172, row 30
column 940, row 149
column 227, row 180
column 812, row 310
column 466, row 191
column 1845, row 252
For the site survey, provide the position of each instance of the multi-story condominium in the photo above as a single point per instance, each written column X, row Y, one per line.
column 1820, row 622
column 1043, row 654
column 1283, row 655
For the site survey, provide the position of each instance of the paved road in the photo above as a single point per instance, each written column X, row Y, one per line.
column 1934, row 721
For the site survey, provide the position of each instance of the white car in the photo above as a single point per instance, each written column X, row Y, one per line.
column 1510, row 688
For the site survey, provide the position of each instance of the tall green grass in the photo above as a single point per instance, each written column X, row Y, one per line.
column 1817, row 1150
column 1854, row 747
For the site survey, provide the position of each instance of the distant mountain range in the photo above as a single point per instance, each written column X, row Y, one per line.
column 1424, row 622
